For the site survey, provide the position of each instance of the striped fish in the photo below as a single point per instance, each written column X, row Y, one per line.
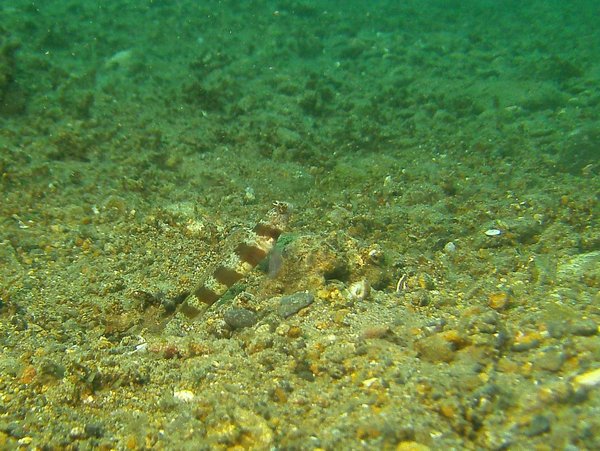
column 248, row 248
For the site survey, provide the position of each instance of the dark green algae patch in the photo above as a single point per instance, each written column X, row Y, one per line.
column 442, row 162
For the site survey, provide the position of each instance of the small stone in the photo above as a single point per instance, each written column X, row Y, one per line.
column 584, row 327
column 589, row 379
column 538, row 425
column 580, row 268
column 493, row 232
column 426, row 282
column 51, row 370
column 559, row 391
column 499, row 300
column 184, row 395
column 238, row 318
column 557, row 328
column 436, row 349
column 93, row 430
column 11, row 366
column 293, row 303
column 450, row 247
column 551, row 360
column 77, row 433
column 524, row 230
column 526, row 342
column 418, row 298
column 294, row 332
column 257, row 432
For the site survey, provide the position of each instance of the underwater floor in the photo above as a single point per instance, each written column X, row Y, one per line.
column 435, row 286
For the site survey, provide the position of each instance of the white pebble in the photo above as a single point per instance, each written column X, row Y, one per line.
column 493, row 232
column 184, row 395
column 589, row 379
column 449, row 247
column 368, row 382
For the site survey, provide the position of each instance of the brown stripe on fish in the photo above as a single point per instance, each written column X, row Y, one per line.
column 266, row 230
column 250, row 253
column 207, row 295
column 245, row 252
column 227, row 276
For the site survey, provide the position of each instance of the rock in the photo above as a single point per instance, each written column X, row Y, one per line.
column 589, row 379
column 257, row 433
column 584, row 327
column 293, row 303
column 94, row 430
column 499, row 300
column 525, row 230
column 525, row 343
column 580, row 268
column 538, row 425
column 436, row 349
column 557, row 328
column 51, row 370
column 238, row 318
column 550, row 360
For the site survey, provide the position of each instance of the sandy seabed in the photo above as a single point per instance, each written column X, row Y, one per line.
column 437, row 285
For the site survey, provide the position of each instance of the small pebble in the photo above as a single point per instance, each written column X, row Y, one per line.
column 499, row 300
column 550, row 360
column 525, row 343
column 450, row 247
column 436, row 349
column 418, row 298
column 93, row 430
column 584, row 327
column 557, row 328
column 238, row 318
column 184, row 395
column 493, row 232
column 293, row 303
column 538, row 425
column 77, row 433
column 589, row 379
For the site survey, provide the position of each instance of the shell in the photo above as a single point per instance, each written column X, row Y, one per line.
column 359, row 291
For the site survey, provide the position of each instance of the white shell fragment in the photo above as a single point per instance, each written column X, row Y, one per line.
column 493, row 232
